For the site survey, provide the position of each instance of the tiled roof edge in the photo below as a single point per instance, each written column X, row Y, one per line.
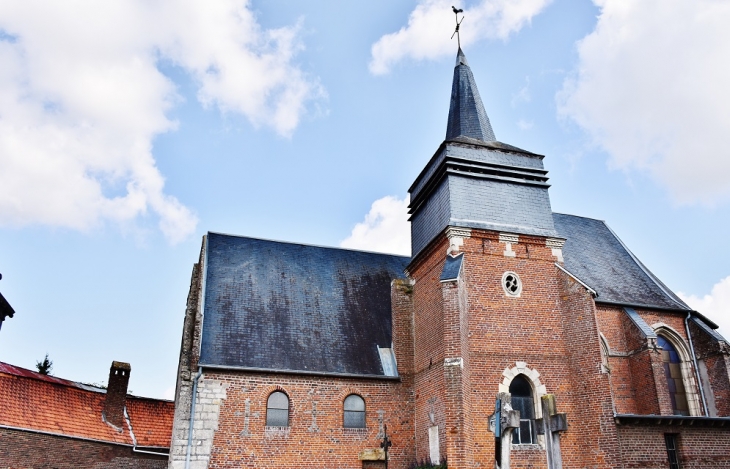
column 592, row 291
column 667, row 292
column 641, row 306
column 452, row 268
column 639, row 322
column 707, row 329
column 74, row 437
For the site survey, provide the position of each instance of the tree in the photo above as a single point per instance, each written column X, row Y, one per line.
column 44, row 367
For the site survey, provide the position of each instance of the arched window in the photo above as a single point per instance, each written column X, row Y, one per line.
column 675, row 380
column 354, row 411
column 522, row 400
column 277, row 410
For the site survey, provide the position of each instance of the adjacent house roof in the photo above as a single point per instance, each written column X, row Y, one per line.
column 292, row 307
column 595, row 255
column 31, row 401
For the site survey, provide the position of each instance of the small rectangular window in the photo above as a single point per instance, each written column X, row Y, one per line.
column 672, row 450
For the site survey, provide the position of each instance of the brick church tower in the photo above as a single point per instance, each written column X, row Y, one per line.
column 492, row 301
column 511, row 300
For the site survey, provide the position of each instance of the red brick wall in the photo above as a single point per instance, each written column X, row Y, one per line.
column 638, row 379
column 429, row 349
column 590, row 388
column 551, row 327
column 717, row 363
column 644, row 447
column 21, row 449
column 505, row 330
column 300, row 446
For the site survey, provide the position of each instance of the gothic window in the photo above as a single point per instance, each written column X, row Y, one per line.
column 675, row 380
column 354, row 411
column 522, row 400
column 277, row 410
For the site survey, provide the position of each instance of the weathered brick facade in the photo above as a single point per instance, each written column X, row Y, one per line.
column 23, row 449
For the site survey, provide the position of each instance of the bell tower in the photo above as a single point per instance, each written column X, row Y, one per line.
column 475, row 181
column 486, row 265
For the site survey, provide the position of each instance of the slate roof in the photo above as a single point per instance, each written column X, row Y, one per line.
column 48, row 404
column 291, row 307
column 595, row 255
column 467, row 116
column 452, row 268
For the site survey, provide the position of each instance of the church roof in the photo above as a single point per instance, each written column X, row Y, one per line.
column 293, row 307
column 288, row 307
column 595, row 255
column 467, row 116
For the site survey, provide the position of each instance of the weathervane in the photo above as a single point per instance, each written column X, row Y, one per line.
column 458, row 23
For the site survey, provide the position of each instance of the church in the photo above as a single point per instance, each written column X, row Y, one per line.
column 513, row 337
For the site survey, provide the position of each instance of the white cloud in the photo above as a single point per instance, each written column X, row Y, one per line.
column 715, row 306
column 525, row 124
column 82, row 98
column 522, row 96
column 651, row 89
column 431, row 23
column 385, row 228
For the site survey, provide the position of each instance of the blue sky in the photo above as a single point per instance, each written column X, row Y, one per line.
column 129, row 129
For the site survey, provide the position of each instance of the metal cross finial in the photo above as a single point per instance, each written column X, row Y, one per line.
column 458, row 23
column 385, row 444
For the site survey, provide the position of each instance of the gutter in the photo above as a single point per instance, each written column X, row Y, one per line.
column 192, row 417
column 134, row 440
column 673, row 420
column 694, row 360
column 73, row 437
column 298, row 372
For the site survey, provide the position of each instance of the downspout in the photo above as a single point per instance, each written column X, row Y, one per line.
column 694, row 360
column 192, row 417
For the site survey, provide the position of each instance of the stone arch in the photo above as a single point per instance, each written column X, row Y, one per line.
column 533, row 377
column 370, row 411
column 686, row 365
column 263, row 399
column 265, row 392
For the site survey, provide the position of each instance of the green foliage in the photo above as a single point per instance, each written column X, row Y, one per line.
column 45, row 366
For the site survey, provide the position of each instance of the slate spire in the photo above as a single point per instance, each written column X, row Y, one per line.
column 467, row 116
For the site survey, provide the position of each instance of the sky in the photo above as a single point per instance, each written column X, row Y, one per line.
column 129, row 129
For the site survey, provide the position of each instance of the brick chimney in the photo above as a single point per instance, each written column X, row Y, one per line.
column 116, row 394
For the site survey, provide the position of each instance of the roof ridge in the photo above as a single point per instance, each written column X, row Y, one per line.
column 579, row 216
column 10, row 369
column 671, row 295
column 321, row 246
